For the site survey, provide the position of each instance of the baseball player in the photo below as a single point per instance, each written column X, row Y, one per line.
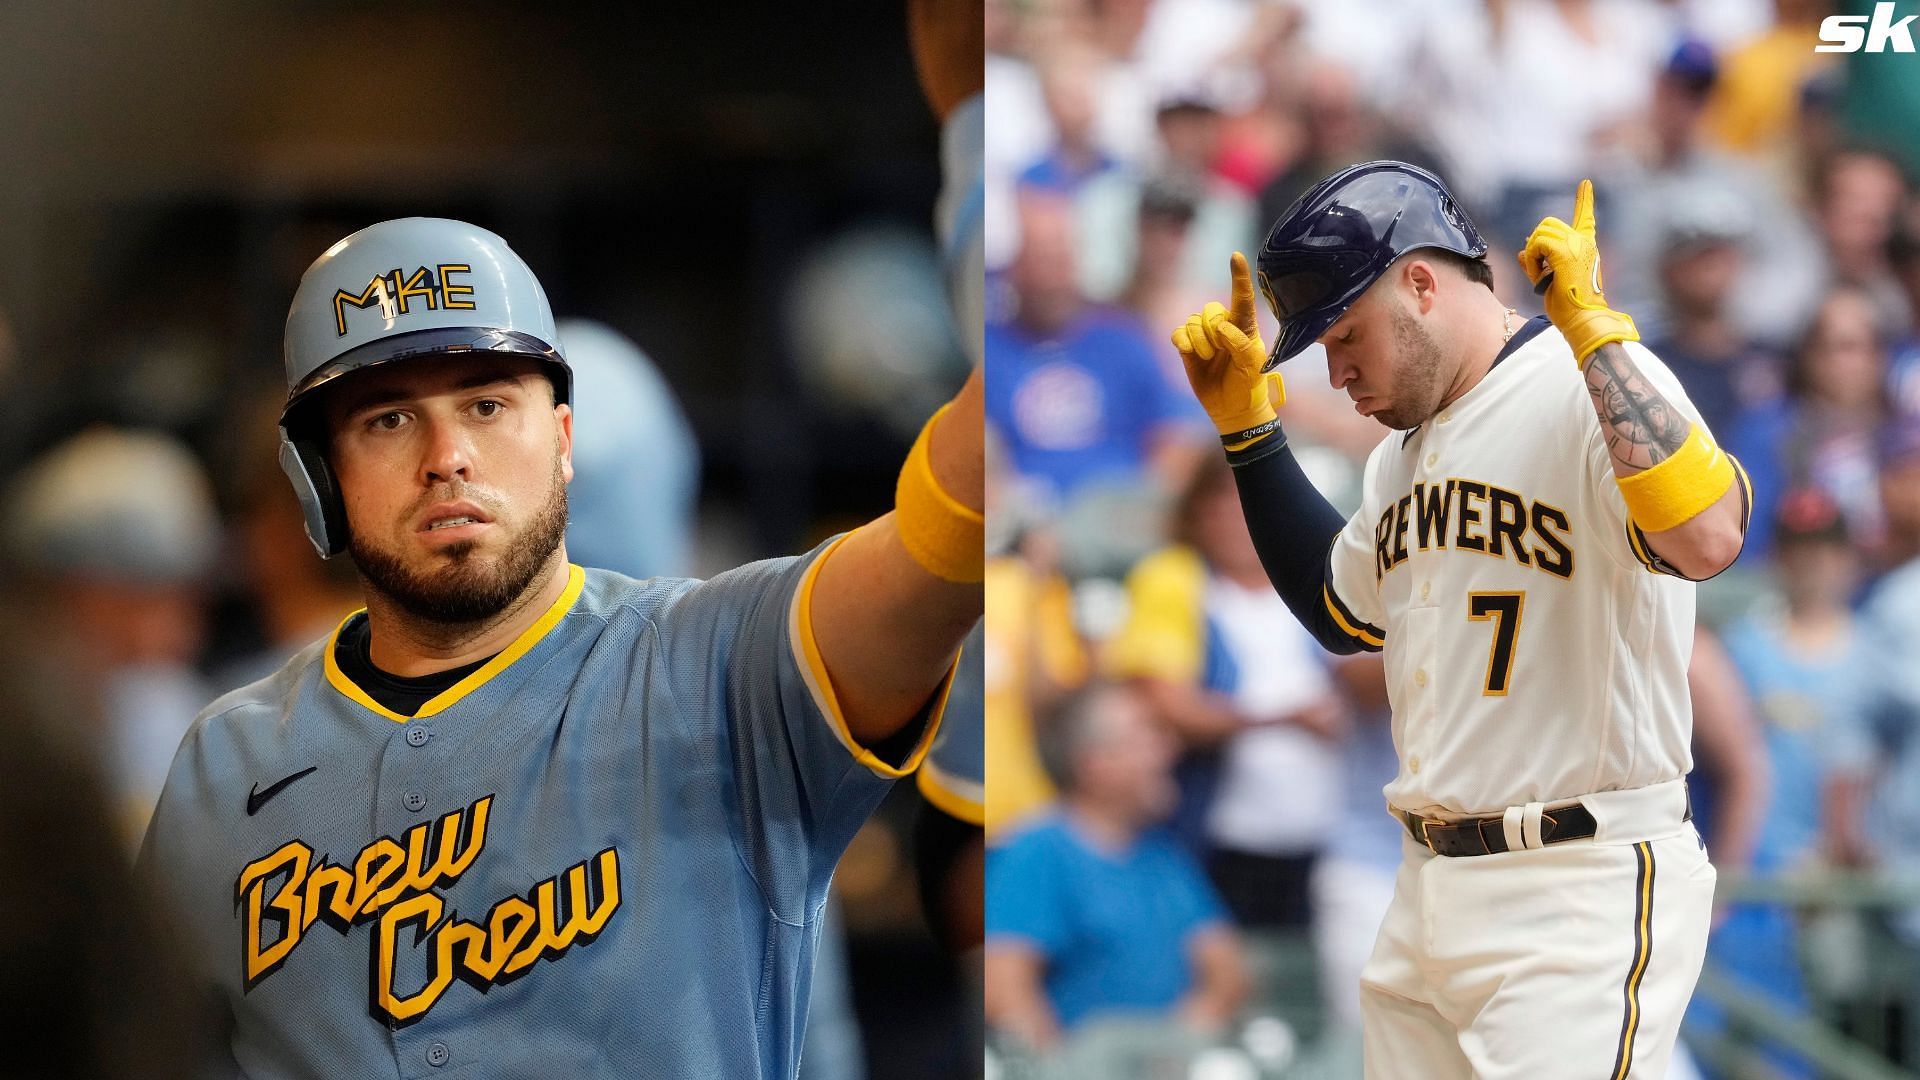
column 519, row 818
column 1524, row 555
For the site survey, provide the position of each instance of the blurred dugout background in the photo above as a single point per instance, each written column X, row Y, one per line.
column 1758, row 217
column 730, row 209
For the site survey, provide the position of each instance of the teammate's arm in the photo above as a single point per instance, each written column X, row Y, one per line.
column 1292, row 525
column 1688, row 499
column 888, row 627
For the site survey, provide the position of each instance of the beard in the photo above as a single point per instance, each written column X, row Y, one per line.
column 466, row 588
column 1417, row 375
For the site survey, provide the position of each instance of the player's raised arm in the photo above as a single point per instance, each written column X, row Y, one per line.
column 1688, row 498
column 1291, row 523
column 892, row 601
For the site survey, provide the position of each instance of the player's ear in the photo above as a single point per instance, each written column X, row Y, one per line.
column 1423, row 282
column 563, row 419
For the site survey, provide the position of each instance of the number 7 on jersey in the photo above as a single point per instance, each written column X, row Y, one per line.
column 1503, row 608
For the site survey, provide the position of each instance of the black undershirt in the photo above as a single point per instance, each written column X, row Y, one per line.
column 402, row 695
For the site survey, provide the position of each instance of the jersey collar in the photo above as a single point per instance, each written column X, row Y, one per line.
column 1527, row 332
column 576, row 578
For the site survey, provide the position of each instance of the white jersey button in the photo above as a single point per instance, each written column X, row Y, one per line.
column 1420, row 677
column 1445, row 416
column 1431, row 458
column 1426, row 589
column 1413, row 764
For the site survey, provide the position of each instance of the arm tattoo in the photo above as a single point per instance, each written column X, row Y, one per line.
column 1642, row 428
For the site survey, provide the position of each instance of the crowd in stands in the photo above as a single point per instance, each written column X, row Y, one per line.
column 1174, row 762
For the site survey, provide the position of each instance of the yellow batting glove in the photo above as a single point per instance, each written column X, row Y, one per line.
column 1563, row 262
column 1223, row 354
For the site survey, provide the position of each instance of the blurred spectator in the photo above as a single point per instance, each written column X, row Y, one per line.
column 297, row 596
column 1077, row 395
column 1156, row 294
column 1857, row 201
column 638, row 521
column 85, row 953
column 1679, row 183
column 1903, row 361
column 1089, row 910
column 1724, row 371
column 1353, row 878
column 1496, row 86
column 1068, row 78
column 1793, row 661
column 1191, row 126
column 1031, row 656
column 1224, row 665
column 1874, row 744
column 1754, row 103
column 1339, row 129
column 1821, row 433
column 114, row 533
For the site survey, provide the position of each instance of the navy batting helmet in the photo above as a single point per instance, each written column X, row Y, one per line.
column 1339, row 237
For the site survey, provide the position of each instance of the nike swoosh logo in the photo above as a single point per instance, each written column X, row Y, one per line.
column 257, row 799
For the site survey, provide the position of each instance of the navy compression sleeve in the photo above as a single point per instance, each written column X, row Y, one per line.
column 1293, row 528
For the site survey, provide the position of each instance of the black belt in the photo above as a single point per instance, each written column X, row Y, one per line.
column 1488, row 835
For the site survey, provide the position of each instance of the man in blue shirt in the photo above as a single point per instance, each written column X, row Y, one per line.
column 1076, row 394
column 1090, row 910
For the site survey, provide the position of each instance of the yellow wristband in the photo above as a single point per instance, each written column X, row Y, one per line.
column 944, row 535
column 1680, row 487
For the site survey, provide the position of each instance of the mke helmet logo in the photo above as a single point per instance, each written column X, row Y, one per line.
column 395, row 291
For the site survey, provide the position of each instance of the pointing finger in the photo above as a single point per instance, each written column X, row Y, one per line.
column 1242, row 294
column 1583, row 208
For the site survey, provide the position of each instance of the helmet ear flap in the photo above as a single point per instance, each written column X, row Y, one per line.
column 305, row 464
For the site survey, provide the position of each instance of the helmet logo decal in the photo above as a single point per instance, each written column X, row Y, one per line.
column 394, row 293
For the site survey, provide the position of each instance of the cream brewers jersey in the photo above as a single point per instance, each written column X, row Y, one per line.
column 1536, row 649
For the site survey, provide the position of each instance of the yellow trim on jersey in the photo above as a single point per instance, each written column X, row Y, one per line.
column 813, row 671
column 964, row 800
column 1636, row 544
column 576, row 578
column 1357, row 633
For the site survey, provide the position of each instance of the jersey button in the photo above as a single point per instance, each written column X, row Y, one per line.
column 1419, row 679
column 1413, row 764
column 1445, row 417
column 1431, row 458
column 414, row 801
column 437, row 1054
column 1426, row 589
column 417, row 736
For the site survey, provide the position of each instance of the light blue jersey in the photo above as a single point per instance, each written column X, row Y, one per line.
column 954, row 775
column 604, row 853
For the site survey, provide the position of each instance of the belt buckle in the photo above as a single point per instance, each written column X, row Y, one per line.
column 1427, row 837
